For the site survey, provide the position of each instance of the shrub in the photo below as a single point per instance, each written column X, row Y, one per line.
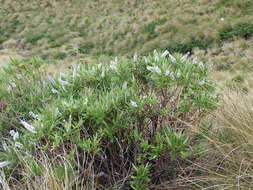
column 119, row 124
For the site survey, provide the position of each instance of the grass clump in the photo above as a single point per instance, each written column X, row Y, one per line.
column 243, row 30
column 231, row 139
column 150, row 28
column 118, row 125
column 244, row 5
column 34, row 37
column 86, row 47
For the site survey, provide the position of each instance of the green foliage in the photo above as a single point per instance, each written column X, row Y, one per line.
column 33, row 37
column 176, row 142
column 141, row 178
column 244, row 5
column 3, row 37
column 237, row 84
column 178, row 47
column 86, row 47
column 120, row 114
column 150, row 28
column 244, row 30
column 60, row 55
column 238, row 79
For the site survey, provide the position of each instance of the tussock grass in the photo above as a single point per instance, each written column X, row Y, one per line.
column 229, row 164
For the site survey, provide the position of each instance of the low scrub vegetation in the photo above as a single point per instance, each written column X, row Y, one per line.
column 118, row 125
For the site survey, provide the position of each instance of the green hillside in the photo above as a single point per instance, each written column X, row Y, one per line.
column 57, row 29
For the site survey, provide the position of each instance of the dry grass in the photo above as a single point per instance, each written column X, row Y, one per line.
column 229, row 164
column 5, row 56
column 62, row 179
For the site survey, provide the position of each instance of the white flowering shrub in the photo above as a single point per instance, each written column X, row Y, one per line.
column 120, row 124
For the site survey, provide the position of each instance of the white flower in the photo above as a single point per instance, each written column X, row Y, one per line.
column 156, row 55
column 65, row 103
column 93, row 69
column 124, row 86
column 62, row 74
column 35, row 116
column 145, row 96
column 99, row 65
column 12, row 132
column 18, row 145
column 55, row 91
column 13, row 85
column 116, row 60
column 74, row 73
column 158, row 70
column 134, row 104
column 4, row 163
column 150, row 68
column 28, row 126
column 85, row 100
column 78, row 66
column 57, row 111
column 9, row 88
column 51, row 80
column 15, row 136
column 167, row 72
column 201, row 82
column 222, row 19
column 173, row 59
column 44, row 83
column 166, row 52
column 113, row 67
column 195, row 60
column 64, row 89
column 178, row 74
column 135, row 57
column 146, row 59
column 172, row 76
column 63, row 82
column 201, row 65
column 103, row 73
column 182, row 59
column 156, row 58
column 5, row 146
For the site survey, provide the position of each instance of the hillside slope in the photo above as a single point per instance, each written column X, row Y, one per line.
column 57, row 29
column 217, row 31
